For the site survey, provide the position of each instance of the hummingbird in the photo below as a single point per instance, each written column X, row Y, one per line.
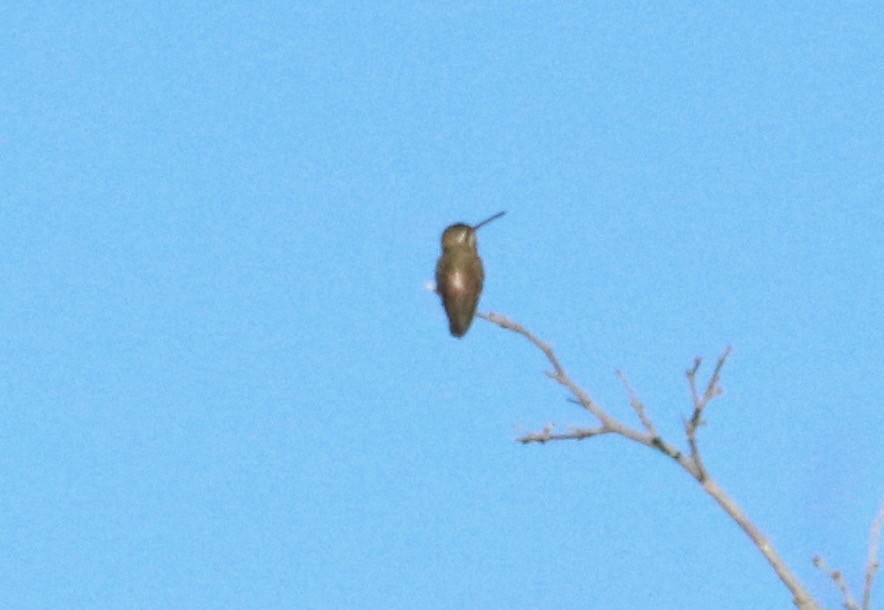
column 459, row 274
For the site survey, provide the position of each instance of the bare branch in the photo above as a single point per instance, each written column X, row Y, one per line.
column 691, row 464
column 560, row 376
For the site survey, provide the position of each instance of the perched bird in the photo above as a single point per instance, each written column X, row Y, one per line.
column 459, row 274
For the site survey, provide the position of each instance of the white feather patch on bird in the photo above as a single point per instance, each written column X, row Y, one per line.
column 457, row 282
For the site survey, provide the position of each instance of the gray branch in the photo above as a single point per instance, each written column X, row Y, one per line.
column 692, row 463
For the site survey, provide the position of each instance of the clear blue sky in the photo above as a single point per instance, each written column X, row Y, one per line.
column 223, row 382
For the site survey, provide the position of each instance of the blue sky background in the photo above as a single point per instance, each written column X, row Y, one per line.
column 223, row 382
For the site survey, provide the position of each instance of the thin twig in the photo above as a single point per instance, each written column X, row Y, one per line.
column 713, row 390
column 838, row 578
column 549, row 434
column 637, row 405
column 872, row 563
column 692, row 381
column 871, row 569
